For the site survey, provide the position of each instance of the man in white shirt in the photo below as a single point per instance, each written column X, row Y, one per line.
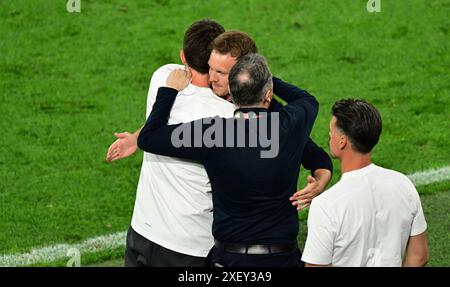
column 171, row 221
column 372, row 216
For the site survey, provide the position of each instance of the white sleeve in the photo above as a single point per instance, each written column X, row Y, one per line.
column 320, row 240
column 158, row 80
column 419, row 225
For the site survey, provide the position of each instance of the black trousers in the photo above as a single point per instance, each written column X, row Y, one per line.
column 220, row 258
column 141, row 252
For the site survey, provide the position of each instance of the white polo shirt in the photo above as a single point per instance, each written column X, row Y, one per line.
column 365, row 219
column 173, row 202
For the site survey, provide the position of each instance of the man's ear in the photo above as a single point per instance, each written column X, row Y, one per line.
column 268, row 97
column 183, row 59
column 343, row 142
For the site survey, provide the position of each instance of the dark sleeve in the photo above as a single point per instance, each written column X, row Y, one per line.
column 275, row 105
column 314, row 157
column 156, row 136
column 300, row 112
column 288, row 92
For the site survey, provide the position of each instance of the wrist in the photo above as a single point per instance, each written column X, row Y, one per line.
column 173, row 88
column 322, row 176
column 170, row 88
column 136, row 134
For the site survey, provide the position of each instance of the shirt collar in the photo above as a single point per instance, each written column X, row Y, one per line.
column 249, row 113
column 359, row 171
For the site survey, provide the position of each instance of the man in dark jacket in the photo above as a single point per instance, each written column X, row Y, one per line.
column 252, row 161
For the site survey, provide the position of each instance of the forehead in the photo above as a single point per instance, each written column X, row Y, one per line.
column 333, row 122
column 223, row 61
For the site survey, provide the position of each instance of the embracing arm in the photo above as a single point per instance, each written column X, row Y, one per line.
column 156, row 136
column 319, row 163
column 124, row 146
column 289, row 93
column 314, row 157
column 301, row 109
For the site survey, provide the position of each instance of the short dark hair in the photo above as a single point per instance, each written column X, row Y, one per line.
column 360, row 121
column 197, row 43
column 249, row 80
column 236, row 43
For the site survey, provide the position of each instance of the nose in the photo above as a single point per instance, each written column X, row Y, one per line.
column 212, row 76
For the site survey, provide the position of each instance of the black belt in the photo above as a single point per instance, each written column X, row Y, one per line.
column 256, row 248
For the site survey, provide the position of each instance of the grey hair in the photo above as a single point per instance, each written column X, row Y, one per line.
column 250, row 79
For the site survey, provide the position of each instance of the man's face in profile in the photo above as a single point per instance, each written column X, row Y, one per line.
column 219, row 67
column 334, row 138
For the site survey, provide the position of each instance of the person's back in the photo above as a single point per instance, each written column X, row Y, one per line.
column 374, row 210
column 172, row 215
column 185, row 225
column 251, row 192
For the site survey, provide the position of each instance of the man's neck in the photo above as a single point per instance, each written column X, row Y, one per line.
column 200, row 80
column 354, row 161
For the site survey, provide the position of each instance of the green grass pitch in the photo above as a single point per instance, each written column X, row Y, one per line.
column 69, row 80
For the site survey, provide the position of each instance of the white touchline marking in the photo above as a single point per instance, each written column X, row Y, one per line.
column 57, row 252
column 430, row 176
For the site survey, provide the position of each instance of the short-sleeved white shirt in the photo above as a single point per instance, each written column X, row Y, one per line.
column 173, row 205
column 365, row 219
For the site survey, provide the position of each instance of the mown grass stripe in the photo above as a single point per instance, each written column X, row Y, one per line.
column 112, row 241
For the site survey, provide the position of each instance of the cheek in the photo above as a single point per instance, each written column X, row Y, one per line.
column 332, row 143
column 224, row 80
